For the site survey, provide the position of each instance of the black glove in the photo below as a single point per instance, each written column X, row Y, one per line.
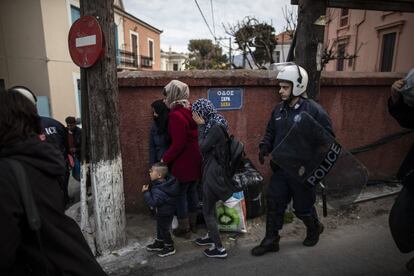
column 262, row 153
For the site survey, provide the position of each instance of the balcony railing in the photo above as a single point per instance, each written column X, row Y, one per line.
column 130, row 59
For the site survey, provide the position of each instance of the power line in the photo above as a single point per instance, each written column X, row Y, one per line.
column 212, row 15
column 205, row 21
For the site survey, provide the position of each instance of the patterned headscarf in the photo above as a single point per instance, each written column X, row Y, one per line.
column 209, row 113
column 176, row 93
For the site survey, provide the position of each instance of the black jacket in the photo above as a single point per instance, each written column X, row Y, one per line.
column 158, row 144
column 404, row 115
column 66, row 250
column 163, row 196
column 215, row 180
column 282, row 119
column 55, row 133
column 77, row 141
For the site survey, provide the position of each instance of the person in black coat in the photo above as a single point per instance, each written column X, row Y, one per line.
column 58, row 247
column 212, row 139
column 401, row 218
column 55, row 133
column 159, row 139
column 162, row 195
column 74, row 137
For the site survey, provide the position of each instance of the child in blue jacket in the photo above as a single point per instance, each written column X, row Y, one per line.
column 162, row 195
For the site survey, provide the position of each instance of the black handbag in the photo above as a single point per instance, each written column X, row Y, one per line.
column 251, row 182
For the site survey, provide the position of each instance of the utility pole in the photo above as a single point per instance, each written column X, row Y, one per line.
column 103, row 133
column 230, row 63
column 309, row 41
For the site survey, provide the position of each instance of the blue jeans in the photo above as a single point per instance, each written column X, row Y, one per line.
column 188, row 199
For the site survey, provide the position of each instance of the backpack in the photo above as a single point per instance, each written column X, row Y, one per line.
column 29, row 205
column 233, row 157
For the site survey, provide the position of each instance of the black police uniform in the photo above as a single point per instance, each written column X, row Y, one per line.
column 55, row 133
column 282, row 187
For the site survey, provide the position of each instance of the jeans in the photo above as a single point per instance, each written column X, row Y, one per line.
column 188, row 199
column 163, row 229
column 209, row 214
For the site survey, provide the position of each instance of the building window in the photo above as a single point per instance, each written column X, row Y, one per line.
column 151, row 49
column 117, row 53
column 343, row 21
column 43, row 108
column 388, row 49
column 341, row 57
column 134, row 45
column 175, row 67
column 75, row 13
column 277, row 57
column 79, row 97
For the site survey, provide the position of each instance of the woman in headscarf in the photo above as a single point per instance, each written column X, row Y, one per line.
column 183, row 155
column 212, row 139
column 159, row 139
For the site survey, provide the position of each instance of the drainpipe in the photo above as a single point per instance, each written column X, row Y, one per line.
column 356, row 39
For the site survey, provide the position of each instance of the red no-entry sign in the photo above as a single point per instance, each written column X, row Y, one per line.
column 86, row 41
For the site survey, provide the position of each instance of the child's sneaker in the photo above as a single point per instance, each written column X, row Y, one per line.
column 157, row 245
column 167, row 250
column 214, row 252
column 204, row 241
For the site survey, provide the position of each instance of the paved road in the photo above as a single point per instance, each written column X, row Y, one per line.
column 362, row 249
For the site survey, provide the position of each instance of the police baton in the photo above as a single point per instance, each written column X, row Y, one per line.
column 324, row 205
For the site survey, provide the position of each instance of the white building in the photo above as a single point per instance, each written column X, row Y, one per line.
column 172, row 61
column 281, row 51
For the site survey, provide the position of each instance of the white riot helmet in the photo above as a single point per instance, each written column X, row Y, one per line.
column 26, row 92
column 297, row 76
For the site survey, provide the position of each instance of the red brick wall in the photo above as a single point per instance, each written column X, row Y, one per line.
column 356, row 104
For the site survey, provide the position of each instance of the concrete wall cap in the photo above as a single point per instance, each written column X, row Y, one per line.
column 216, row 78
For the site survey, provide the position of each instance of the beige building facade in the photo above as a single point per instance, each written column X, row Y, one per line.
column 34, row 51
column 370, row 41
column 140, row 46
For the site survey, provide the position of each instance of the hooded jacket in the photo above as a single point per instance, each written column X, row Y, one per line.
column 163, row 196
column 64, row 247
column 183, row 155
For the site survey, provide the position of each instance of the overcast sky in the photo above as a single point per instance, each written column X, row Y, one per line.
column 181, row 20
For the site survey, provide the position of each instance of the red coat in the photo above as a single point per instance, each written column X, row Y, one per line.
column 183, row 155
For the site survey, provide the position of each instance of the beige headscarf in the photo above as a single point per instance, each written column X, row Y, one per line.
column 176, row 93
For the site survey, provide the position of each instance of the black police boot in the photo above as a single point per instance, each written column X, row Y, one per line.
column 267, row 245
column 313, row 229
column 270, row 243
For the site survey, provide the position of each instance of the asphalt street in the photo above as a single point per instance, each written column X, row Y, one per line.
column 361, row 249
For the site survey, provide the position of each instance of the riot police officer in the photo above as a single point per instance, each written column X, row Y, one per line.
column 283, row 188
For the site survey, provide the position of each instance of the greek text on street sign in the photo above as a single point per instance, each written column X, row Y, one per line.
column 226, row 98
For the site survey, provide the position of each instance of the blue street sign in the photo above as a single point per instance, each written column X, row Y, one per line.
column 226, row 98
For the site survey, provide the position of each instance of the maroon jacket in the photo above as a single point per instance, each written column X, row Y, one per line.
column 183, row 155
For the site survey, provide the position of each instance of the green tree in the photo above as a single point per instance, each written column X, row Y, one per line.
column 256, row 38
column 205, row 55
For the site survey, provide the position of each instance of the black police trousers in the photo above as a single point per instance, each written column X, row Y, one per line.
column 281, row 190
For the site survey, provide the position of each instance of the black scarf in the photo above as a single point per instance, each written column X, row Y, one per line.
column 162, row 120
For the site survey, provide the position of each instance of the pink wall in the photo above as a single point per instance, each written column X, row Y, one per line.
column 367, row 28
column 356, row 103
